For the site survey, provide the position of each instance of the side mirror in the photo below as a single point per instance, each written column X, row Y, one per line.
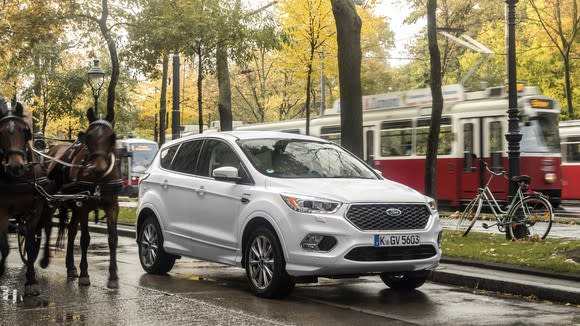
column 226, row 173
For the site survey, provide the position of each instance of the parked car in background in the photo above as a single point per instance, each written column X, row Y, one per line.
column 287, row 208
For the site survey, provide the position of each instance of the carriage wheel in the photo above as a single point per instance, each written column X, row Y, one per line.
column 22, row 244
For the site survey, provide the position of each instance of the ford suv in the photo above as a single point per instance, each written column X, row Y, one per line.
column 287, row 208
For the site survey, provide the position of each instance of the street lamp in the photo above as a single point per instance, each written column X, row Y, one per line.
column 96, row 79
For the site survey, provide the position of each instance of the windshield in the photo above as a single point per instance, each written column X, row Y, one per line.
column 291, row 158
column 143, row 155
column 540, row 135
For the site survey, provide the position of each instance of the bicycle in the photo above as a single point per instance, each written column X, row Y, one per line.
column 528, row 216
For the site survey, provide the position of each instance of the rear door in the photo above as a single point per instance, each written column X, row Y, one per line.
column 178, row 188
column 470, row 146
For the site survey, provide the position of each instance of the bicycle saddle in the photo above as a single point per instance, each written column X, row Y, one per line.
column 522, row 178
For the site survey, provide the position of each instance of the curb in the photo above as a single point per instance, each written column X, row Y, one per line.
column 511, row 268
column 537, row 292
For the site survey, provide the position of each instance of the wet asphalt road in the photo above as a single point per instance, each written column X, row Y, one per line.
column 202, row 293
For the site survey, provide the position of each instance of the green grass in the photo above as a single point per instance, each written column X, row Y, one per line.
column 127, row 215
column 561, row 255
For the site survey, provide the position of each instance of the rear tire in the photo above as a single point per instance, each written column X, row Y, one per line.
column 531, row 219
column 405, row 281
column 153, row 258
column 265, row 265
column 469, row 216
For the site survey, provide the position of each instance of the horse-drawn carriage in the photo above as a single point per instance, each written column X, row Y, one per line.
column 80, row 176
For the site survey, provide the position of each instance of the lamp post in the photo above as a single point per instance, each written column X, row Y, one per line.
column 513, row 136
column 96, row 79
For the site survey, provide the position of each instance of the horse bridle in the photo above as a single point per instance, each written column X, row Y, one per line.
column 11, row 118
column 109, row 155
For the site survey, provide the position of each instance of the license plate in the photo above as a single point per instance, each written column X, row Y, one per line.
column 398, row 240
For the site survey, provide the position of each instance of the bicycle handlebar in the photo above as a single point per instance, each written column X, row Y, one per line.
column 500, row 173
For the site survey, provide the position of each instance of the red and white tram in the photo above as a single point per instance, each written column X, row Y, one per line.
column 570, row 141
column 396, row 127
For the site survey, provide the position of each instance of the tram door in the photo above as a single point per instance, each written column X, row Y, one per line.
column 369, row 144
column 470, row 144
column 494, row 152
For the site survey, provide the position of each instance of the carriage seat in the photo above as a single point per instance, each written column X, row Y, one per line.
column 522, row 178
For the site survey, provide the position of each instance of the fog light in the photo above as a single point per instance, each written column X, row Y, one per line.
column 550, row 177
column 318, row 242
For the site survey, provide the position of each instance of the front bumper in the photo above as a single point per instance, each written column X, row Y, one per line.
column 355, row 252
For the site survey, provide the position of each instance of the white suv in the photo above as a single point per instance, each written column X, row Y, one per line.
column 285, row 207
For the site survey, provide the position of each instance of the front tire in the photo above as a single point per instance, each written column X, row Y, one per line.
column 22, row 243
column 265, row 265
column 404, row 281
column 153, row 258
column 469, row 216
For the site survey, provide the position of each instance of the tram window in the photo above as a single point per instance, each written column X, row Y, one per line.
column 572, row 153
column 496, row 144
column 331, row 133
column 468, row 147
column 396, row 138
column 292, row 131
column 445, row 137
column 167, row 155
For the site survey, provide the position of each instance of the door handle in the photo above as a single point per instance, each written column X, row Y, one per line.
column 200, row 191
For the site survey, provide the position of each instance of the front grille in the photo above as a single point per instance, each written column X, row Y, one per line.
column 375, row 217
column 391, row 253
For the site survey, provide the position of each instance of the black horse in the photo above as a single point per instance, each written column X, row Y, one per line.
column 90, row 167
column 21, row 175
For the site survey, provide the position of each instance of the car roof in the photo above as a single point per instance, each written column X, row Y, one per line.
column 243, row 135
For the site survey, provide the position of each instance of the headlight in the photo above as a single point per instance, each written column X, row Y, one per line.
column 432, row 203
column 305, row 204
column 550, row 177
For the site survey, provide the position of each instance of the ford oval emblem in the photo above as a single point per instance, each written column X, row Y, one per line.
column 393, row 212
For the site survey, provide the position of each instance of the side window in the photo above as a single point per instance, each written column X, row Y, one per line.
column 396, row 138
column 186, row 158
column 467, row 147
column 445, row 137
column 495, row 144
column 166, row 156
column 216, row 154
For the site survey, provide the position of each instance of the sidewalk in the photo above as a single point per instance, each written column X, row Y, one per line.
column 533, row 283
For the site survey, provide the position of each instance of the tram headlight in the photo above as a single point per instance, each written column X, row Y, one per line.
column 550, row 177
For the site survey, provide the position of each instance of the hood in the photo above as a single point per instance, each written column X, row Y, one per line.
column 348, row 190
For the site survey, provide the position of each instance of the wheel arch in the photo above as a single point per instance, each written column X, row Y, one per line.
column 254, row 223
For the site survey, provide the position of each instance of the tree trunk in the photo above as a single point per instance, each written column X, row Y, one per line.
column 307, row 104
column 163, row 100
column 348, row 26
column 225, row 93
column 437, row 101
column 568, row 86
column 114, row 61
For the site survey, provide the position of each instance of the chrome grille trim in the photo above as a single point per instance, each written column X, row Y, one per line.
column 373, row 216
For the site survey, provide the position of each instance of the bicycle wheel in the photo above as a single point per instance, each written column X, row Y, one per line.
column 531, row 219
column 469, row 215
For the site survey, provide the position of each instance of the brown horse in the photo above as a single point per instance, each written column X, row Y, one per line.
column 20, row 176
column 89, row 167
